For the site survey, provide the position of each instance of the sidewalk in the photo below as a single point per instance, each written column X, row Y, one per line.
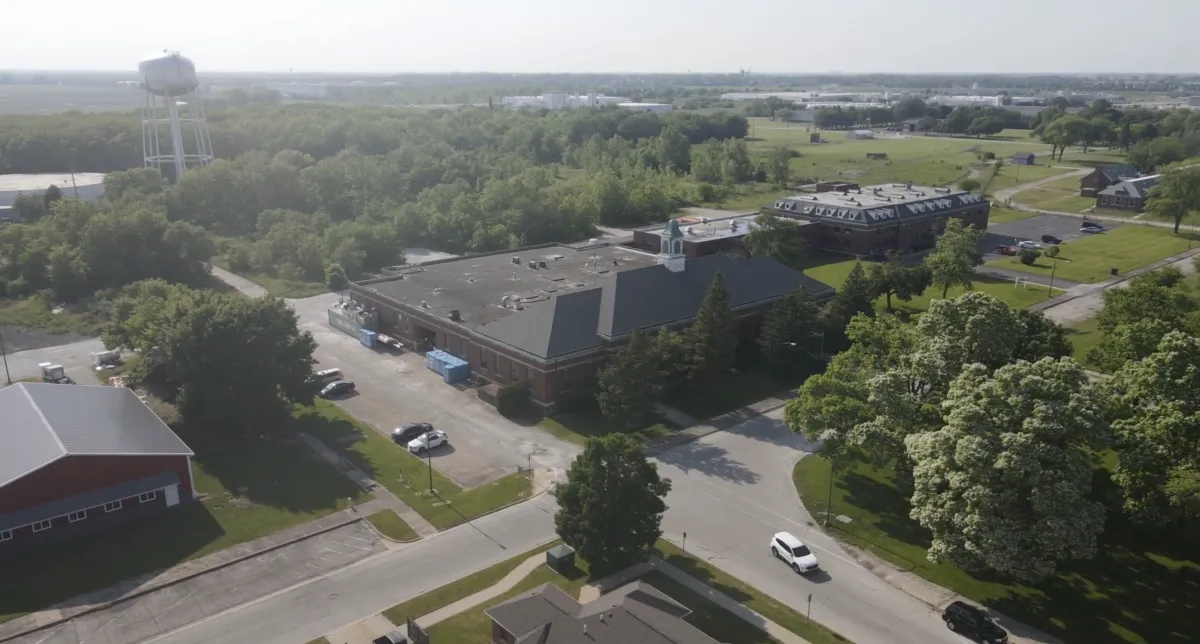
column 719, row 423
column 383, row 498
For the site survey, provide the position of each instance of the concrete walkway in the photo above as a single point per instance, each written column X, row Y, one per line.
column 506, row 583
column 383, row 498
column 243, row 285
column 719, row 423
column 728, row 603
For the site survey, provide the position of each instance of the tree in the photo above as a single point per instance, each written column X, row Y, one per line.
column 1004, row 484
column 779, row 166
column 227, row 361
column 1151, row 153
column 736, row 166
column 789, row 335
column 629, row 385
column 909, row 107
column 51, row 195
column 778, row 238
column 673, row 149
column 1039, row 337
column 893, row 278
column 985, row 126
column 969, row 185
column 714, row 335
column 611, row 507
column 952, row 262
column 1177, row 193
column 1028, row 256
column 1156, row 410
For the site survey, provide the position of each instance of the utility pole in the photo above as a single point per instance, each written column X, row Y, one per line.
column 1053, row 267
column 829, row 500
column 429, row 462
column 5, row 354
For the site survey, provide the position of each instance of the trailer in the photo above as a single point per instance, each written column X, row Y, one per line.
column 106, row 360
column 55, row 374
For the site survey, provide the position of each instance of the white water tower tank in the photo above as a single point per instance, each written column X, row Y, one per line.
column 168, row 74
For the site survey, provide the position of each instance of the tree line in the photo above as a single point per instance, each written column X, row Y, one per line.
column 1152, row 138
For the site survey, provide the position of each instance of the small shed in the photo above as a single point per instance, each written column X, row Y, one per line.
column 1023, row 158
column 815, row 137
column 561, row 558
column 877, row 156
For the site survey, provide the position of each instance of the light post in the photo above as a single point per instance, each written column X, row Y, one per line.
column 5, row 354
column 829, row 500
column 1053, row 267
column 684, row 548
column 429, row 462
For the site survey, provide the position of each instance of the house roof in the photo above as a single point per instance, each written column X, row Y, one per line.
column 636, row 613
column 41, row 423
column 1118, row 171
column 642, row 298
column 1137, row 188
column 1024, row 155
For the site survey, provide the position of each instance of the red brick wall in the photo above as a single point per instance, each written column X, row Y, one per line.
column 79, row 474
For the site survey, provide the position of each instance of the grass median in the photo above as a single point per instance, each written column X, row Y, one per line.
column 404, row 474
column 1002, row 289
column 390, row 525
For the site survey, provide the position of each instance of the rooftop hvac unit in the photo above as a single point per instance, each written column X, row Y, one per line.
column 455, row 316
column 541, row 264
column 516, row 259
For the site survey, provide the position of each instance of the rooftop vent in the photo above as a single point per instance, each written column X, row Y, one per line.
column 532, row 265
column 455, row 316
column 615, row 262
column 424, row 304
column 541, row 264
column 516, row 259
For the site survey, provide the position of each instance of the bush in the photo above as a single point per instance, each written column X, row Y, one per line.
column 988, row 156
column 512, row 399
column 1028, row 256
column 968, row 185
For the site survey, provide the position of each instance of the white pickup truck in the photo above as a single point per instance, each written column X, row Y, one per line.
column 389, row 341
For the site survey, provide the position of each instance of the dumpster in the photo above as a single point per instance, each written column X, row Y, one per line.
column 367, row 338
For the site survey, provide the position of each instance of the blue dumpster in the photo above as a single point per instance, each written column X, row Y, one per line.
column 367, row 338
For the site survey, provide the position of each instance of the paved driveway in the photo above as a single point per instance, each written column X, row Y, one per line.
column 207, row 595
column 395, row 389
column 1032, row 228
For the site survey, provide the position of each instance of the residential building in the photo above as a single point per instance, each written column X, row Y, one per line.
column 1023, row 158
column 1130, row 194
column 551, row 315
column 1105, row 176
column 76, row 458
column 871, row 220
column 636, row 613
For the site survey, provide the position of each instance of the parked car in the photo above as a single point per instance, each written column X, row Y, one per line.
column 1092, row 224
column 1094, row 230
column 405, row 433
column 428, row 440
column 1006, row 250
column 337, row 388
column 1051, row 239
column 969, row 621
column 794, row 553
column 327, row 375
column 1029, row 244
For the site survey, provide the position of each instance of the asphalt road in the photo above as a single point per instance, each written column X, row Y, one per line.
column 76, row 357
column 731, row 491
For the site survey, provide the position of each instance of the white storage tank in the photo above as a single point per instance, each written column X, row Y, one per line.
column 168, row 74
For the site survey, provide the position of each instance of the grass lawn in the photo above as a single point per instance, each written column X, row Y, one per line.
column 36, row 313
column 577, row 427
column 392, row 526
column 404, row 474
column 280, row 287
column 1002, row 215
column 1084, row 336
column 251, row 488
column 1014, row 175
column 1004, row 290
column 1061, row 195
column 747, row 595
column 429, row 601
column 1140, row 589
column 1088, row 260
column 711, row 397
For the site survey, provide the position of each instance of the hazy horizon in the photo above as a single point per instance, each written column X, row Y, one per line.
column 619, row 36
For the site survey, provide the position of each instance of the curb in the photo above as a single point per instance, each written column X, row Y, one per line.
column 372, row 528
column 188, row 577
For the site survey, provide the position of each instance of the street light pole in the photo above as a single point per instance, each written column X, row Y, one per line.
column 429, row 462
column 1053, row 267
column 5, row 354
column 829, row 501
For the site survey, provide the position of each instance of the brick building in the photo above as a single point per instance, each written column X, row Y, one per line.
column 1129, row 194
column 872, row 220
column 77, row 458
column 550, row 315
column 1105, row 176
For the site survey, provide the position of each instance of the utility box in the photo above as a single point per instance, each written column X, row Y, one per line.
column 561, row 558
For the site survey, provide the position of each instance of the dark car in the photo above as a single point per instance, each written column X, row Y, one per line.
column 337, row 388
column 1051, row 239
column 1093, row 230
column 969, row 621
column 1091, row 224
column 406, row 433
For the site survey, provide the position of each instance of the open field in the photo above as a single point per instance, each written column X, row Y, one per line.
column 250, row 487
column 1084, row 336
column 1061, row 195
column 405, row 475
column 1089, row 260
column 49, row 99
column 1139, row 589
column 1001, row 215
column 1015, row 175
column 1004, row 290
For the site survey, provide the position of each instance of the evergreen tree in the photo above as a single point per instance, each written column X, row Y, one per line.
column 611, row 507
column 856, row 296
column 789, row 334
column 714, row 335
column 629, row 385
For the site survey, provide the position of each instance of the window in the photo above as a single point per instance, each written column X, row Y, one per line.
column 112, row 507
column 77, row 516
column 147, row 497
column 41, row 525
column 5, row 535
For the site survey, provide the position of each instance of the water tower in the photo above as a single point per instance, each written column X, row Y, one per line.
column 173, row 129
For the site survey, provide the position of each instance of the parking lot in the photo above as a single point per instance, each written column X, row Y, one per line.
column 394, row 389
column 1032, row 228
column 176, row 606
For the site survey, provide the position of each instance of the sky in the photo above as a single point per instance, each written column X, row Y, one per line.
column 530, row 36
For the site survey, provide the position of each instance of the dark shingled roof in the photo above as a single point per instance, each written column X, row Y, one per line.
column 643, row 298
column 1118, row 171
column 41, row 423
column 636, row 613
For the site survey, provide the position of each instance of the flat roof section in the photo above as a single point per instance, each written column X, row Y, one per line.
column 477, row 286
column 701, row 229
column 878, row 204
